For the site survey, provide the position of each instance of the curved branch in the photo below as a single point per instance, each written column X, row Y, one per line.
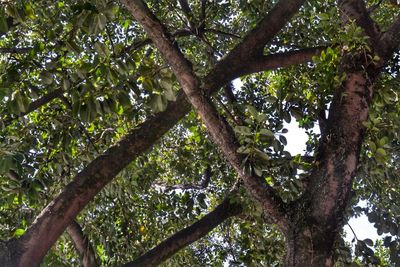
column 282, row 60
column 390, row 40
column 82, row 245
column 188, row 235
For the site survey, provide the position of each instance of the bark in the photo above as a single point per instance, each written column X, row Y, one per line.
column 82, row 245
column 285, row 59
column 190, row 234
column 30, row 248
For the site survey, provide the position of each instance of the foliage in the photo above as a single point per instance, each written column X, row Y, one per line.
column 109, row 79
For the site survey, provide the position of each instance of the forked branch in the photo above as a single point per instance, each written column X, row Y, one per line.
column 218, row 127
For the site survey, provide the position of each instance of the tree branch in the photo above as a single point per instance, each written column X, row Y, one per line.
column 14, row 50
column 188, row 14
column 188, row 235
column 338, row 154
column 282, row 60
column 218, row 127
column 59, row 213
column 219, row 32
column 82, row 245
column 390, row 41
column 252, row 45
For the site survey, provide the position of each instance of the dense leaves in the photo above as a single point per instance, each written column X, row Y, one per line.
column 77, row 76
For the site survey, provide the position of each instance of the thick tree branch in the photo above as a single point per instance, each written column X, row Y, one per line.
column 252, row 45
column 331, row 180
column 82, row 245
column 282, row 60
column 190, row 234
column 390, row 41
column 218, row 127
column 58, row 214
column 329, row 189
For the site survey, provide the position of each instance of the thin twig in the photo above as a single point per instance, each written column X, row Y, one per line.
column 351, row 228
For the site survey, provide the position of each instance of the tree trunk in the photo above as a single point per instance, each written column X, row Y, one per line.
column 310, row 245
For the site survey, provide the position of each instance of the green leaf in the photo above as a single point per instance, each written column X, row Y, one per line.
column 260, row 118
column 19, row 232
column 372, row 146
column 286, row 117
column 29, row 11
column 21, row 100
column 243, row 130
column 169, row 94
column 252, row 110
column 324, row 16
column 158, row 103
column 257, row 170
column 3, row 23
column 101, row 21
column 124, row 99
column 166, row 84
column 6, row 163
column 369, row 242
column 244, row 150
column 261, row 155
column 102, row 49
column 72, row 46
column 381, row 152
column 383, row 141
column 46, row 77
column 66, row 84
column 266, row 132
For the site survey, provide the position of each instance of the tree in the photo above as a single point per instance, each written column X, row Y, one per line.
column 99, row 138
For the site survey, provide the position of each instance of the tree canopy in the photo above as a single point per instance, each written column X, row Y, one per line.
column 154, row 132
